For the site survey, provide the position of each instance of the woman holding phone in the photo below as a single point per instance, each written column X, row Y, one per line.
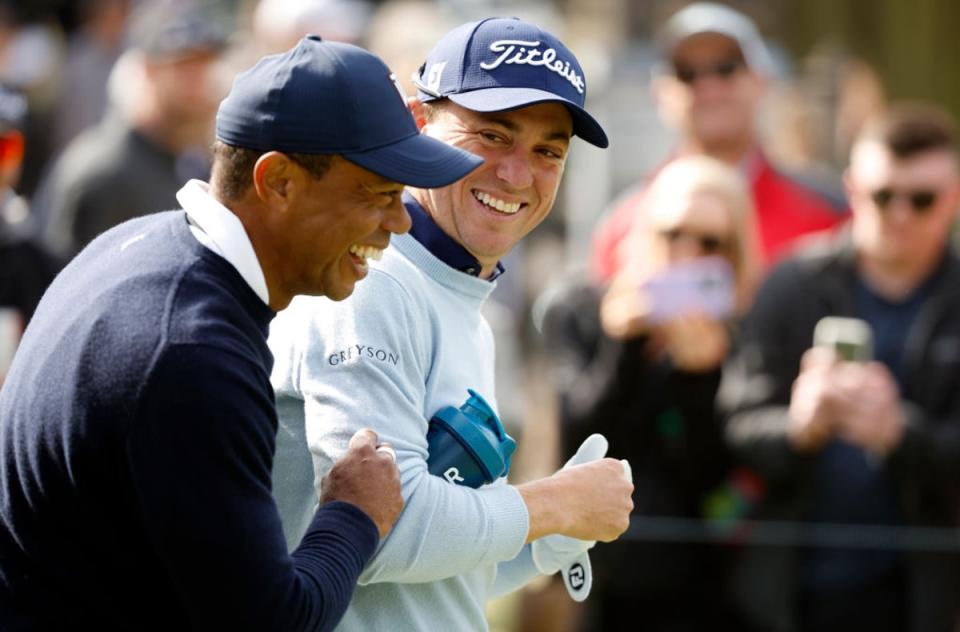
column 638, row 359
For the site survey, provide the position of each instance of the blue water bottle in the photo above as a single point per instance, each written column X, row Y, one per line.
column 468, row 445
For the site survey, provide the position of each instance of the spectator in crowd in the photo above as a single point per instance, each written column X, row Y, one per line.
column 137, row 424
column 276, row 24
column 31, row 62
column 709, row 87
column 92, row 50
column 404, row 49
column 413, row 341
column 644, row 374
column 25, row 267
column 868, row 442
column 164, row 92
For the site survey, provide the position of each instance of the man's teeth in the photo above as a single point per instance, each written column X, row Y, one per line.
column 366, row 252
column 500, row 205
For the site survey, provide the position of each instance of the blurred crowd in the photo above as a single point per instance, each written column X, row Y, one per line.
column 755, row 300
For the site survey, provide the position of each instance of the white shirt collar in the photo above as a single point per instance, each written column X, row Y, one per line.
column 217, row 228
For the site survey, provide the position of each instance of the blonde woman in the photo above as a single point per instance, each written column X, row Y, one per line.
column 696, row 207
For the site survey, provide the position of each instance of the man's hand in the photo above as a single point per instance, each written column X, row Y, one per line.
column 366, row 476
column 588, row 502
column 559, row 552
column 553, row 552
column 816, row 401
column 874, row 419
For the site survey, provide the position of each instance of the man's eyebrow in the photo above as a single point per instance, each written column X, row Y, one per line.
column 502, row 121
column 562, row 135
column 558, row 134
column 383, row 184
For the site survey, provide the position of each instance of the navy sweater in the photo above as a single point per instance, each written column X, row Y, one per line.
column 137, row 430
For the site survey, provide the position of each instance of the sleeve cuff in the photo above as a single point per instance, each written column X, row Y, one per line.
column 508, row 520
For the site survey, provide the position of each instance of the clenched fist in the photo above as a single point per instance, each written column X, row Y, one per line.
column 591, row 501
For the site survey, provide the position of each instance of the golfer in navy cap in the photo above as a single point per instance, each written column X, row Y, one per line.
column 137, row 421
column 411, row 341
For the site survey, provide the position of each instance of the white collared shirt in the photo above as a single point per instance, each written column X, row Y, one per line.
column 217, row 228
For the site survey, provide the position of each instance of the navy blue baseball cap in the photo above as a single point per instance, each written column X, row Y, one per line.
column 500, row 64
column 333, row 98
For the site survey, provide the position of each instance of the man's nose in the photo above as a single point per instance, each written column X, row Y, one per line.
column 514, row 168
column 396, row 219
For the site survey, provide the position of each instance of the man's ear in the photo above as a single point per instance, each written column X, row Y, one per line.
column 417, row 109
column 272, row 176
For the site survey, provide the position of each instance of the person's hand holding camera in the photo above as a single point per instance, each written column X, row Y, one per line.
column 872, row 417
column 623, row 310
column 816, row 401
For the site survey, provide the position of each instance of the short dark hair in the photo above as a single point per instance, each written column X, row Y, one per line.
column 911, row 128
column 432, row 108
column 232, row 168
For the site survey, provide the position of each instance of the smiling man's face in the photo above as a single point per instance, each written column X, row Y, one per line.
column 333, row 225
column 494, row 207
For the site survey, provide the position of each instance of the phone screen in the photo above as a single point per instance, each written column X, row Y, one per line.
column 704, row 285
column 850, row 338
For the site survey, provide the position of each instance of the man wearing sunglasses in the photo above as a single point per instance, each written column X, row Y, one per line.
column 873, row 442
column 708, row 87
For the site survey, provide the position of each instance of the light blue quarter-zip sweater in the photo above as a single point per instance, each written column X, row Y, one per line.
column 409, row 341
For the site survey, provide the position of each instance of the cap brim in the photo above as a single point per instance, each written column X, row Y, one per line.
column 418, row 160
column 502, row 99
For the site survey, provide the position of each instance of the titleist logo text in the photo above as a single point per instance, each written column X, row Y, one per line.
column 528, row 54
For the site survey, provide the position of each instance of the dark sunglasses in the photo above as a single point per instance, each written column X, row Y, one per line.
column 920, row 200
column 724, row 69
column 709, row 244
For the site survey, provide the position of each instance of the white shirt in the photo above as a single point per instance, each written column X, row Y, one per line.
column 217, row 228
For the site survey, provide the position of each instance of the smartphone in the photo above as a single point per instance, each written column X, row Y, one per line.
column 850, row 338
column 705, row 285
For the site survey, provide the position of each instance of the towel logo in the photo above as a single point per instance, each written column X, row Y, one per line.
column 576, row 576
column 530, row 55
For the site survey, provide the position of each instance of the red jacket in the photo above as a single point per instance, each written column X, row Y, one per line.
column 785, row 211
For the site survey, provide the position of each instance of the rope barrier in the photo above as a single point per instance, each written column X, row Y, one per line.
column 793, row 534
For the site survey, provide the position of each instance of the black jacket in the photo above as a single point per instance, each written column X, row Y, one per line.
column 818, row 282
